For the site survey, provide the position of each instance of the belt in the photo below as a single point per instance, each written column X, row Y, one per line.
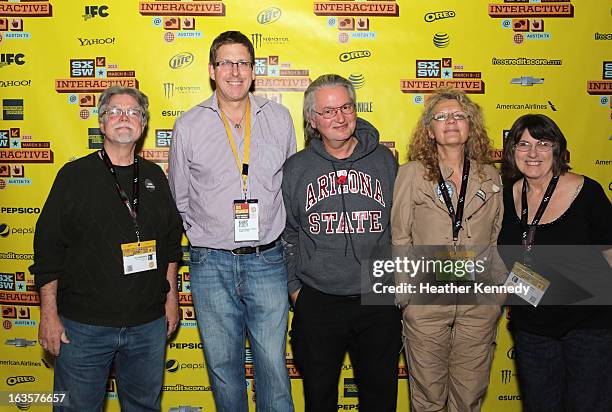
column 247, row 250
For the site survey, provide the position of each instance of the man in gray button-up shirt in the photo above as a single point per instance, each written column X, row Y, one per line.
column 238, row 287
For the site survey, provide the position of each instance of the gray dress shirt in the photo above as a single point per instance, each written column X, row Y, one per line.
column 205, row 180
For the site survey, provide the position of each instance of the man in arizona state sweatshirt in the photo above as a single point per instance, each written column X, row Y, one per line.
column 338, row 192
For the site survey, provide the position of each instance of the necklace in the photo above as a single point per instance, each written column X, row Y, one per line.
column 236, row 125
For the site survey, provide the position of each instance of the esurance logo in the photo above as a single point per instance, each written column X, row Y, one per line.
column 181, row 60
column 358, row 54
column 269, row 15
column 437, row 15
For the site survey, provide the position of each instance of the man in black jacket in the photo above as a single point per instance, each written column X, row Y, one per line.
column 106, row 253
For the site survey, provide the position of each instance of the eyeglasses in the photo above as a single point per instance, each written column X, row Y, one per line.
column 443, row 116
column 229, row 65
column 330, row 112
column 131, row 112
column 541, row 146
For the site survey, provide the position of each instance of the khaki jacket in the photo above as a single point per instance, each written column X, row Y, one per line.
column 420, row 217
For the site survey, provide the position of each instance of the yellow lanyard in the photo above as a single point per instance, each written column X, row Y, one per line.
column 243, row 168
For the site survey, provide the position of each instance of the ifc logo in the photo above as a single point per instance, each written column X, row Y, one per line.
column 441, row 40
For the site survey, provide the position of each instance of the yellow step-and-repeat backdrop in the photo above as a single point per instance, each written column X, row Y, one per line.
column 513, row 56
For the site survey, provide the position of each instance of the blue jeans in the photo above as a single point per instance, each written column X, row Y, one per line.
column 83, row 365
column 568, row 374
column 233, row 296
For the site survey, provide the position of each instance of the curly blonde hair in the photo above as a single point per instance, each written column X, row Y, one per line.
column 478, row 146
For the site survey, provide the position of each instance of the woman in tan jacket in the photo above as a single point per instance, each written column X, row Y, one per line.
column 449, row 347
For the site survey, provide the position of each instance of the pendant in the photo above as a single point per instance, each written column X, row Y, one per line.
column 237, row 126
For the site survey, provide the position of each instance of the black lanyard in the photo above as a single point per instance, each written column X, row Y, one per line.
column 528, row 236
column 131, row 205
column 456, row 216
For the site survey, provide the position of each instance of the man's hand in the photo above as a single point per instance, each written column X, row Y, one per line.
column 50, row 329
column 294, row 296
column 172, row 314
column 172, row 306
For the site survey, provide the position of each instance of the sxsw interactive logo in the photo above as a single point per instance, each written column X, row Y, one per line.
column 526, row 20
column 6, row 59
column 82, row 68
column 93, row 11
column 7, row 281
column 428, row 68
column 163, row 137
column 4, row 139
column 433, row 74
column 607, row 70
column 602, row 87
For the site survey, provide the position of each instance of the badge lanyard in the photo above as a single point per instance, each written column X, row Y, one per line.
column 456, row 216
column 243, row 168
column 132, row 205
column 528, row 236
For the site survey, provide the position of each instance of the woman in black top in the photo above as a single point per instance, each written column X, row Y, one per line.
column 563, row 354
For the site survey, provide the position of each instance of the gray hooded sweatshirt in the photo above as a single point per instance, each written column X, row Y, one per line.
column 336, row 210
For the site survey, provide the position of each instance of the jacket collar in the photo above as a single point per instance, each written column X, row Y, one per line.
column 257, row 103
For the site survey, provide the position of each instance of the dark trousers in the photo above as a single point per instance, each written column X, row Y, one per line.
column 324, row 327
column 567, row 374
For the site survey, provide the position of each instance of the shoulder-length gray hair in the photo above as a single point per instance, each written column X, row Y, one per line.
column 326, row 80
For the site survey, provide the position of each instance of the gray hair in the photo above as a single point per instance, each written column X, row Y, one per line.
column 326, row 80
column 141, row 98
